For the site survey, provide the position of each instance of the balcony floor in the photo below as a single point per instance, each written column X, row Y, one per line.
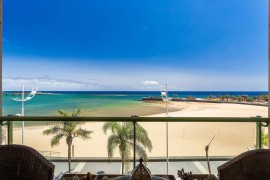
column 197, row 167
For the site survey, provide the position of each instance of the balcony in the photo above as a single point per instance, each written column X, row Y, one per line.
column 177, row 142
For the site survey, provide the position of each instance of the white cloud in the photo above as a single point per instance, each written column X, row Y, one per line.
column 147, row 82
column 47, row 83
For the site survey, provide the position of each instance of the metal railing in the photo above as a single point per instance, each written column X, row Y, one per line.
column 49, row 154
column 260, row 122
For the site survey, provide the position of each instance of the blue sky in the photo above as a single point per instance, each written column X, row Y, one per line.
column 135, row 44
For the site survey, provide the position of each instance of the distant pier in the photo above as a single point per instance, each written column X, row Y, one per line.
column 154, row 98
column 192, row 99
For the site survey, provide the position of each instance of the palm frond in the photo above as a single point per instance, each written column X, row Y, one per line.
column 56, row 139
column 69, row 127
column 82, row 133
column 140, row 128
column 140, row 151
column 122, row 136
column 128, row 125
column 125, row 151
column 142, row 138
column 113, row 142
column 127, row 157
column 52, row 130
column 62, row 113
column 76, row 113
column 113, row 126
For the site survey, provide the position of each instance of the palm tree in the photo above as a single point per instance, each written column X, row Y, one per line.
column 250, row 99
column 210, row 97
column 265, row 97
column 255, row 98
column 239, row 98
column 122, row 138
column 227, row 96
column 68, row 130
column 222, row 98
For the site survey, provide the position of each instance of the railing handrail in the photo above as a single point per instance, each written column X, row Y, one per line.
column 149, row 159
column 49, row 153
column 135, row 119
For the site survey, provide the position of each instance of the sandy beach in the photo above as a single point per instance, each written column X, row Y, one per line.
column 185, row 139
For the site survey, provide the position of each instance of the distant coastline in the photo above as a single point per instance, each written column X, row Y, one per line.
column 181, row 94
column 205, row 100
column 115, row 103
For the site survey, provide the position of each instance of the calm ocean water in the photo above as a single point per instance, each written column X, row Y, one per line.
column 96, row 102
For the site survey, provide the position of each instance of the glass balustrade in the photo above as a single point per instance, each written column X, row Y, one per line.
column 171, row 145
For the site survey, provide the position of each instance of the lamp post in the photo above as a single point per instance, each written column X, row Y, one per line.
column 164, row 96
column 31, row 95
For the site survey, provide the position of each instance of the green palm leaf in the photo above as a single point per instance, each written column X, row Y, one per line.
column 113, row 126
column 76, row 113
column 62, row 113
column 113, row 142
column 68, row 130
column 56, row 139
column 122, row 138
column 53, row 130
column 83, row 133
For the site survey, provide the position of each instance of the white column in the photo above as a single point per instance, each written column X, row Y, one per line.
column 167, row 140
column 167, row 130
column 268, row 71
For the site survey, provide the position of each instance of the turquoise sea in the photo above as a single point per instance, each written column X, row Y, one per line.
column 100, row 103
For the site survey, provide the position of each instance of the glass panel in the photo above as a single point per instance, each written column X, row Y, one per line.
column 88, row 155
column 157, row 156
column 189, row 140
column 186, row 140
